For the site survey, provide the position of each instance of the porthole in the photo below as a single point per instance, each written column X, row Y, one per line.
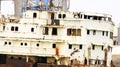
column 25, row 44
column 37, row 45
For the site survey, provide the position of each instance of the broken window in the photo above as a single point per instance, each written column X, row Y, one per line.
column 59, row 15
column 54, row 45
column 32, row 29
column 80, row 46
column 88, row 31
column 106, row 33
column 70, row 46
column 102, row 47
column 3, row 27
column 54, row 31
column 114, row 42
column 55, row 22
column 68, row 32
column 78, row 15
column 73, row 32
column 103, row 33
column 12, row 28
column 81, row 16
column 52, row 15
column 99, row 18
column 94, row 32
column 34, row 15
column 64, row 15
column 109, row 19
column 85, row 16
column 16, row 28
column 95, row 17
column 45, row 31
column 78, row 32
column 89, row 17
column 108, row 48
column 93, row 47
column 111, row 35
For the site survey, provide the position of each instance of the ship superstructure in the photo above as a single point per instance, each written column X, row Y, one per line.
column 57, row 37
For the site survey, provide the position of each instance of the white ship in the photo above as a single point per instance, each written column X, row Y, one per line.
column 50, row 36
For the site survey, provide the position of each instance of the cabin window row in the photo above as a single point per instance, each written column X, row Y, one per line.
column 46, row 31
column 61, row 15
column 15, row 28
column 25, row 44
column 97, row 18
column 102, row 47
column 70, row 32
column 73, row 32
column 94, row 47
column 71, row 46
column 7, row 43
column 104, row 33
column 92, row 17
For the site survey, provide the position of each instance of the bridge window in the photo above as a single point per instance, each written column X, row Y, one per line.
column 95, row 17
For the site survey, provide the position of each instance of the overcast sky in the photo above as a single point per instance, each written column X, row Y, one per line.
column 100, row 6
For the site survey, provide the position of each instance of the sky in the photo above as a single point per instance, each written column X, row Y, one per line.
column 111, row 7
column 7, row 7
column 99, row 6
